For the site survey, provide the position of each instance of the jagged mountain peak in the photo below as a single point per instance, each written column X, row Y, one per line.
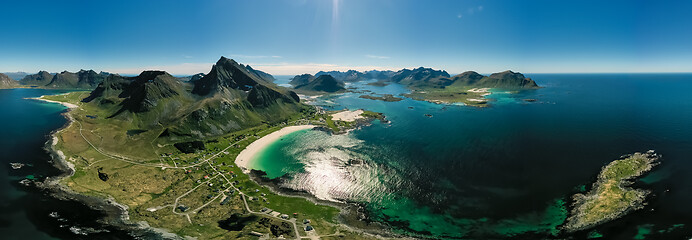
column 227, row 75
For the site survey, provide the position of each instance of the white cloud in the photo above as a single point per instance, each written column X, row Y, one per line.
column 473, row 10
column 459, row 15
column 376, row 57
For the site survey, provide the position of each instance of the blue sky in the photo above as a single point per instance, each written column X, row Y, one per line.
column 286, row 37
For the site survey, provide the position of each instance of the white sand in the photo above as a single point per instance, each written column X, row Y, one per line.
column 244, row 158
column 479, row 90
column 68, row 105
column 348, row 116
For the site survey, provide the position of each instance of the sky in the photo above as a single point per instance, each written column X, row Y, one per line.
column 287, row 37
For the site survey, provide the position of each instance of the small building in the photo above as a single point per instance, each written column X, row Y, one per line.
column 306, row 221
column 183, row 208
column 256, row 234
column 284, row 216
column 308, row 228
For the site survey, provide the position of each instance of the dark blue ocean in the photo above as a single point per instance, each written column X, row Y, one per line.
column 25, row 211
column 508, row 170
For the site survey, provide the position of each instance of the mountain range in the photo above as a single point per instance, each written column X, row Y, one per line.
column 16, row 75
column 354, row 76
column 84, row 79
column 427, row 78
column 230, row 97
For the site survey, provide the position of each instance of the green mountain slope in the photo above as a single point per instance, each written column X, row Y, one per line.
column 419, row 77
column 503, row 80
column 84, row 79
column 323, row 83
column 263, row 75
column 301, row 79
column 41, row 78
column 228, row 98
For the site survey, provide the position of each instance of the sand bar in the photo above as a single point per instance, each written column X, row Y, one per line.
column 244, row 158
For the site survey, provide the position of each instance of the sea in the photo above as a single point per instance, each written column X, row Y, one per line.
column 506, row 171
column 27, row 212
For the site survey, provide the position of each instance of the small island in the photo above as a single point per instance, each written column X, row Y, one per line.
column 339, row 122
column 385, row 97
column 611, row 197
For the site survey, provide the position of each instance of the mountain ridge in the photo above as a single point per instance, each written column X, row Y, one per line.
column 228, row 98
column 7, row 82
column 323, row 83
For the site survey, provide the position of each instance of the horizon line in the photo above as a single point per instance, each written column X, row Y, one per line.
column 450, row 73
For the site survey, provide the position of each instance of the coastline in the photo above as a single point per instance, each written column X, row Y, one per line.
column 244, row 159
column 68, row 105
column 115, row 214
column 352, row 217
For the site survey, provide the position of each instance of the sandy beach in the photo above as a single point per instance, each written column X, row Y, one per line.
column 244, row 158
column 68, row 105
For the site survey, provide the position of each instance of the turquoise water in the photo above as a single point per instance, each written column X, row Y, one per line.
column 507, row 171
column 265, row 159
